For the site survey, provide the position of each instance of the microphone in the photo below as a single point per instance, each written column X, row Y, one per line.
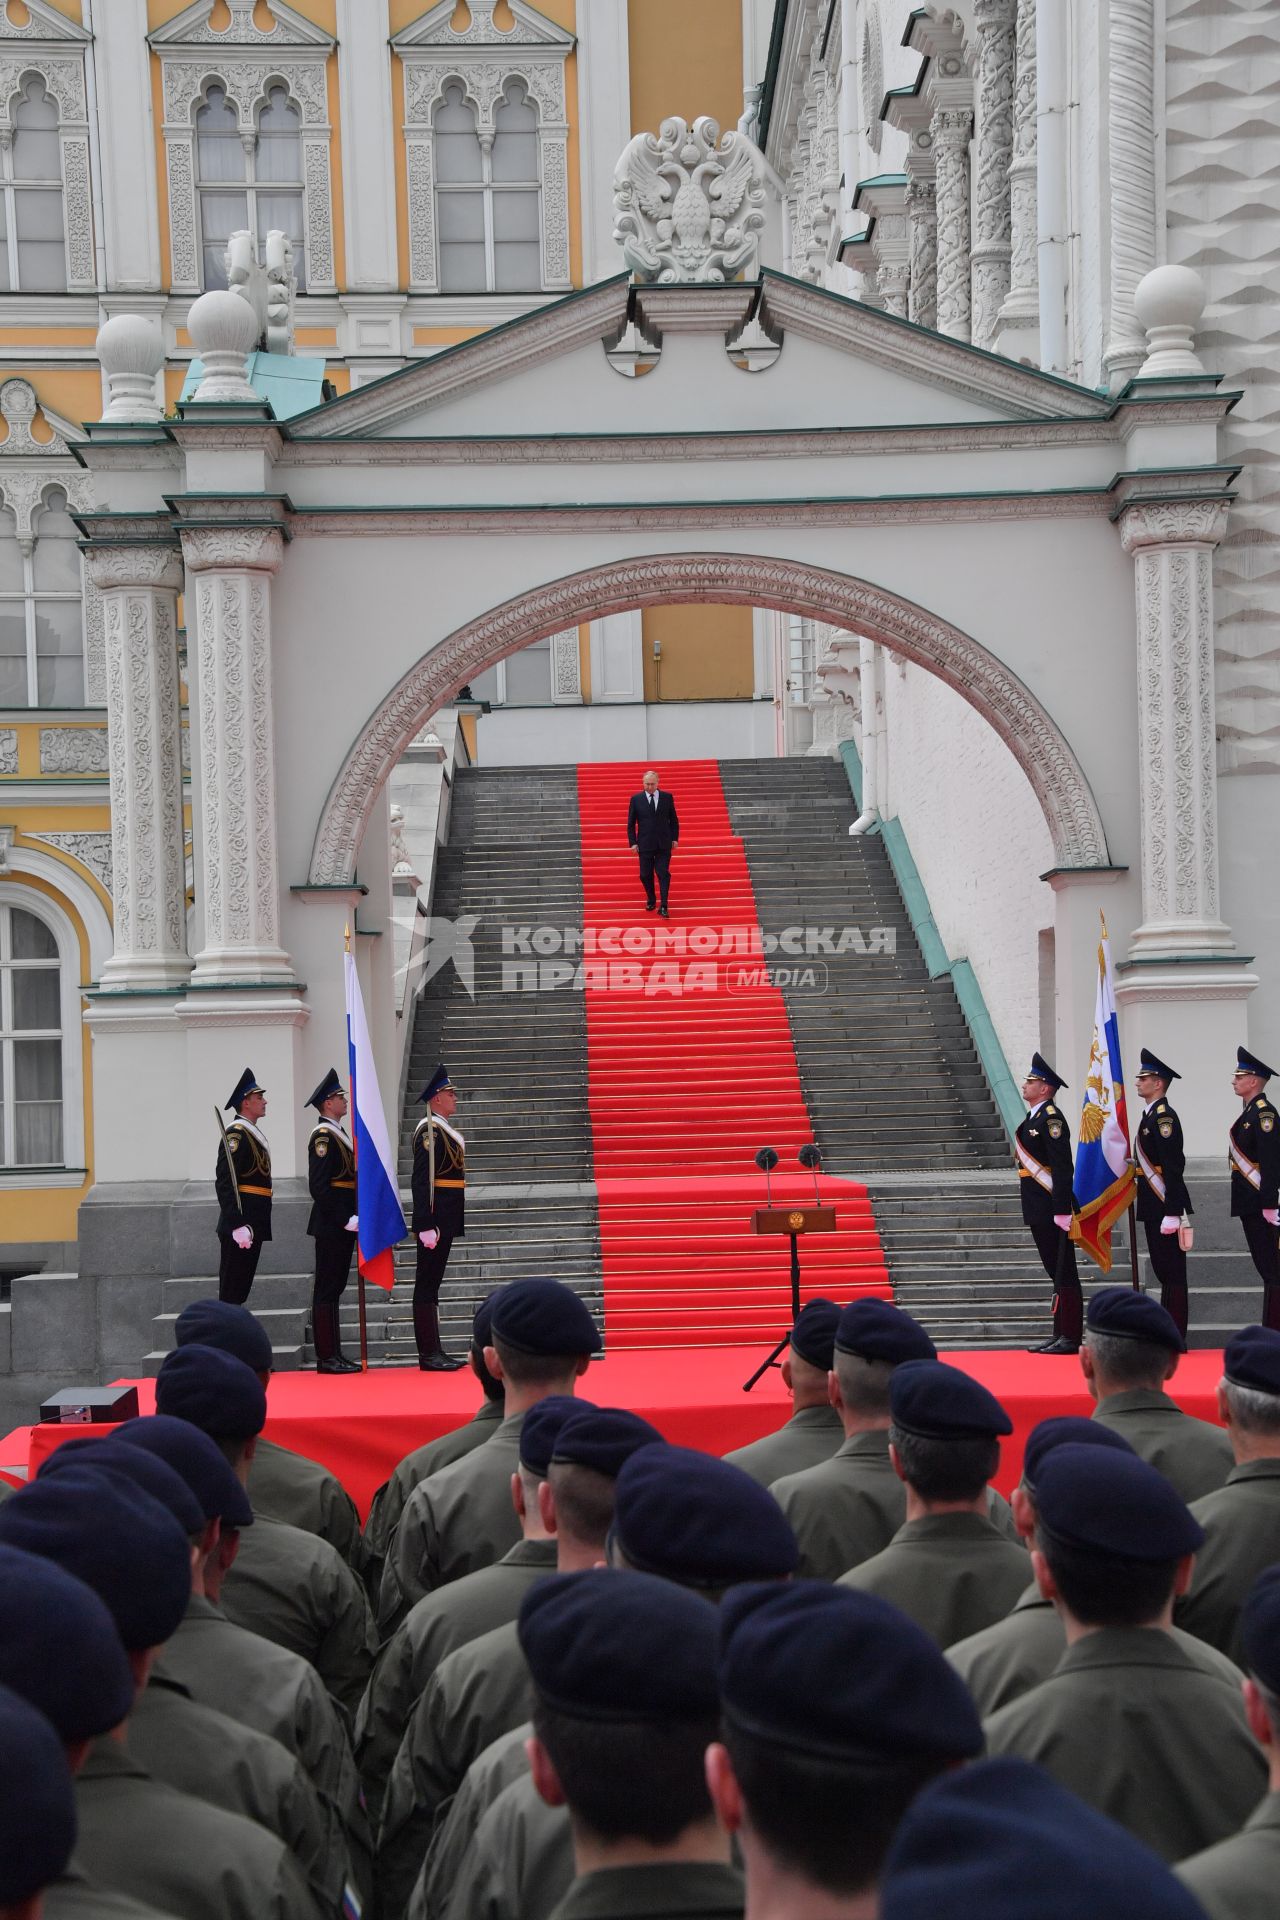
column 767, row 1160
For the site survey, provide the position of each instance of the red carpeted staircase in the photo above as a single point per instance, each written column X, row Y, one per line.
column 691, row 1069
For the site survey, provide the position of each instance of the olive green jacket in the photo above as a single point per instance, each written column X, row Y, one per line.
column 389, row 1501
column 1195, row 1456
column 808, row 1437
column 295, row 1589
column 1134, row 1725
column 76, row 1898
column 448, row 1860
column 288, row 1486
column 1241, row 1522
column 520, row 1865
column 952, row 1573
column 666, row 1892
column 458, row 1521
column 846, row 1508
column 1239, row 1879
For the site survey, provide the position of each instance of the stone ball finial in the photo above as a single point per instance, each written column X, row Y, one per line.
column 131, row 353
column 224, row 331
column 1169, row 302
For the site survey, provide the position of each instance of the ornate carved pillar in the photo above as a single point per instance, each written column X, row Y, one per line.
column 885, row 199
column 994, row 20
column 1021, row 310
column 230, row 573
column 139, row 587
column 1132, row 167
column 951, row 130
column 1172, row 546
column 922, row 210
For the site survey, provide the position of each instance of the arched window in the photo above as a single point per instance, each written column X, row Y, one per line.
column 253, row 183
column 487, row 196
column 33, row 255
column 41, row 610
column 31, row 1039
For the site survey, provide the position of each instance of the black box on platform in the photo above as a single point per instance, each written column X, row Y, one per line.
column 89, row 1406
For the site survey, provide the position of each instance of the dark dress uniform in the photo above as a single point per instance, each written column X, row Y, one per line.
column 331, row 1176
column 1161, row 1190
column 439, row 1185
column 244, row 1201
column 1045, row 1170
column 1254, row 1154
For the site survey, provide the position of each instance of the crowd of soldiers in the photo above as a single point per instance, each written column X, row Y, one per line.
column 570, row 1669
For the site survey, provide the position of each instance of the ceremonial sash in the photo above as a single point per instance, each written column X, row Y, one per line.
column 1031, row 1168
column 1244, row 1165
column 1153, row 1179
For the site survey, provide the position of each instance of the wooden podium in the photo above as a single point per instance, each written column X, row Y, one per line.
column 792, row 1221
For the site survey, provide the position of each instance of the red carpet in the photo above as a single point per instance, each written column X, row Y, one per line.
column 690, row 1070
column 361, row 1425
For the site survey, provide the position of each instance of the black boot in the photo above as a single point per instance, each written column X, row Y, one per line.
column 432, row 1357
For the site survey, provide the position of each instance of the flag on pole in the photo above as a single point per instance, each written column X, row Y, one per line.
column 382, row 1221
column 1104, row 1179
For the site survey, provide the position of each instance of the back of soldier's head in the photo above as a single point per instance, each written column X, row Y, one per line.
column 1132, row 1341
column 481, row 1337
column 591, row 1448
column 1251, row 1384
column 542, row 1333
column 698, row 1521
column 872, row 1337
column 945, row 1430
column 1114, row 1534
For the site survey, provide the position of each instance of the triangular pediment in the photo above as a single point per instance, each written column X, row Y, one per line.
column 43, row 24
column 433, row 31
column 191, row 28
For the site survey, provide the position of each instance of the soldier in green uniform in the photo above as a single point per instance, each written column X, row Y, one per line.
column 1162, row 1196
column 439, row 1193
column 462, row 1518
column 1131, row 1348
column 334, row 1222
column 830, row 1701
column 37, row 1807
column 1046, row 1169
column 948, row 1567
column 290, row 1586
column 1238, row 1879
column 1127, row 1719
column 1241, row 1520
column 813, row 1432
column 1254, row 1157
column 242, row 1181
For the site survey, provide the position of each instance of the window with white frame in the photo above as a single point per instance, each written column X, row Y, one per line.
column 488, row 192
column 521, row 680
column 33, row 254
column 41, row 609
column 31, row 1041
column 252, row 182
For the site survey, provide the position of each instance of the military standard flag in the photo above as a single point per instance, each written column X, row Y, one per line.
column 1104, row 1178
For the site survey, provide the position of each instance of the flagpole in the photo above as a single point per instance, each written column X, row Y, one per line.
column 360, row 1297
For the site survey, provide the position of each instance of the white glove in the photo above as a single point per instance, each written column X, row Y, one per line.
column 429, row 1236
column 1170, row 1223
column 243, row 1237
column 1272, row 1216
column 353, row 1224
column 1062, row 1220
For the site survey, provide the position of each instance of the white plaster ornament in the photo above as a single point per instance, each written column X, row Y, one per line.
column 689, row 204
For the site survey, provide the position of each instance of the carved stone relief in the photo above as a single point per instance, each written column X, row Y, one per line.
column 8, row 749
column 73, row 750
column 992, row 217
column 92, row 850
column 688, row 204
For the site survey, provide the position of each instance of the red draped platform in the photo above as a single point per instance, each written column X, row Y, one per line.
column 360, row 1425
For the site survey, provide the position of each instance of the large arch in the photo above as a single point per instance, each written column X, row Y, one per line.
column 1022, row 723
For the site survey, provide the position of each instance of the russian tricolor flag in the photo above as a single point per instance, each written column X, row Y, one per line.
column 382, row 1221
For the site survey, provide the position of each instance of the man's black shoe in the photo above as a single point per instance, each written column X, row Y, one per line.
column 440, row 1363
column 663, row 914
column 649, row 905
column 336, row 1365
column 1057, row 1345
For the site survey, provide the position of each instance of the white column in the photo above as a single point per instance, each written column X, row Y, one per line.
column 951, row 130
column 126, row 131
column 1019, row 316
column 995, row 28
column 139, row 588
column 1053, row 219
column 368, row 165
column 1132, row 168
column 229, row 596
column 922, row 209
column 604, row 128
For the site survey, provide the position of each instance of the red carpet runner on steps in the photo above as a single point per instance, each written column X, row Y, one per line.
column 690, row 1070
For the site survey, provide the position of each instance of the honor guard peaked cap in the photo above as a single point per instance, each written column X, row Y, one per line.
column 1251, row 1358
column 1066, row 1430
column 1041, row 1070
column 613, row 1645
column 877, row 1330
column 1260, row 1630
column 838, row 1675
column 37, row 1802
column 106, row 1531
column 540, row 1428
column 938, row 1402
column 1133, row 1316
column 196, row 1458
column 213, row 1390
column 975, row 1840
column 813, row 1336
column 244, row 1086
column 699, row 1521
column 543, row 1317
column 1113, row 1503
column 438, row 1083
column 59, row 1647
column 602, row 1438
column 325, row 1091
column 221, row 1323
column 1152, row 1063
column 1247, row 1062
column 142, row 1470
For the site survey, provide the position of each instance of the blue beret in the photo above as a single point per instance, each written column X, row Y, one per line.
column 814, row 1333
column 692, row 1518
column 114, row 1537
column 482, row 1324
column 543, row 1317
column 220, row 1323
column 37, row 1802
column 1133, row 1316
column 59, row 1647
column 602, row 1438
column 620, row 1646
column 1001, row 1840
column 1251, row 1358
column 1260, row 1629
column 1112, row 1502
column 539, row 1429
column 877, row 1330
column 1066, row 1430
column 199, row 1460
column 213, row 1390
column 141, row 1469
column 939, row 1402
column 840, row 1675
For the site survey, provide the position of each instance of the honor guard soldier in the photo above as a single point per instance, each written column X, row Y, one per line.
column 331, row 1175
column 1045, row 1167
column 242, row 1178
column 439, row 1183
column 1254, row 1151
column 1162, row 1195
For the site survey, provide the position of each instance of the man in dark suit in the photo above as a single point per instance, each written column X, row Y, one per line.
column 331, row 1176
column 1162, row 1195
column 242, row 1180
column 439, row 1187
column 1045, row 1168
column 653, row 829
